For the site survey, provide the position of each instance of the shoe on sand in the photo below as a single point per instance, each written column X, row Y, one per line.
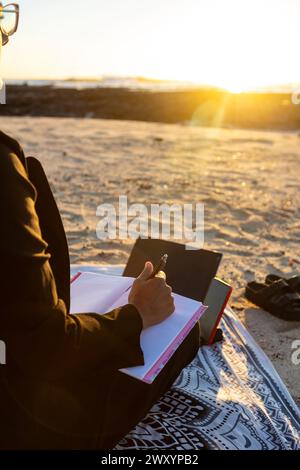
column 277, row 298
column 293, row 282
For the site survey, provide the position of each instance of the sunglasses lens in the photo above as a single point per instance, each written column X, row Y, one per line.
column 8, row 19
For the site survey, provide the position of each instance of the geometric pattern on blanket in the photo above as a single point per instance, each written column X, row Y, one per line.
column 229, row 397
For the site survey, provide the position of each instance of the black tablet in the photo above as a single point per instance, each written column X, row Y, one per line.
column 189, row 272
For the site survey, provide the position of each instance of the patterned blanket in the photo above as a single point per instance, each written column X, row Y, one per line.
column 229, row 397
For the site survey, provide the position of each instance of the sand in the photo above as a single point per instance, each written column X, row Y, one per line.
column 248, row 180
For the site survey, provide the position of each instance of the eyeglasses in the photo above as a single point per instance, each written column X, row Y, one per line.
column 9, row 20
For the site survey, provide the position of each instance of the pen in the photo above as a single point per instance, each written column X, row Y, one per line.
column 160, row 267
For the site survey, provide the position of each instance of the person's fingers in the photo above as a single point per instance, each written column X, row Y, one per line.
column 169, row 309
column 166, row 299
column 146, row 273
column 173, row 305
column 161, row 275
column 158, row 284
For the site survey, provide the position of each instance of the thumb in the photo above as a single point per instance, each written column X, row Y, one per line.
column 148, row 270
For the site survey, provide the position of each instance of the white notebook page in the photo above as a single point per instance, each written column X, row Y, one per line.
column 97, row 293
column 156, row 339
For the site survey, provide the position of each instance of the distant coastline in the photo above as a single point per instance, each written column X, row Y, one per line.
column 138, row 83
column 153, row 102
column 130, row 83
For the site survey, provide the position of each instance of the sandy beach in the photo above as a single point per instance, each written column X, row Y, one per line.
column 248, row 180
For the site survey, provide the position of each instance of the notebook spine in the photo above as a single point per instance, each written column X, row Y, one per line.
column 163, row 360
column 75, row 277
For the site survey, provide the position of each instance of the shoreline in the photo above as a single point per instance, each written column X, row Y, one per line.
column 198, row 107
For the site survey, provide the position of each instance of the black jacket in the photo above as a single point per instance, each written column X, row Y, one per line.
column 44, row 343
column 61, row 388
column 42, row 339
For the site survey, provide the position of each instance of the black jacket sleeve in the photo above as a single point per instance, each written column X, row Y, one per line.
column 42, row 339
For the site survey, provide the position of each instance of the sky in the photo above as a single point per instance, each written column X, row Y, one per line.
column 234, row 44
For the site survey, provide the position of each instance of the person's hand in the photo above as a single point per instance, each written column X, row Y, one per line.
column 152, row 298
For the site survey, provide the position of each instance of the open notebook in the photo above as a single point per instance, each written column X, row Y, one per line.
column 97, row 293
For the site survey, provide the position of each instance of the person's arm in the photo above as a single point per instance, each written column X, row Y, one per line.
column 42, row 339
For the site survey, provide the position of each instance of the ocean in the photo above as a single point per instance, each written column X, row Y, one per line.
column 137, row 83
column 130, row 83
